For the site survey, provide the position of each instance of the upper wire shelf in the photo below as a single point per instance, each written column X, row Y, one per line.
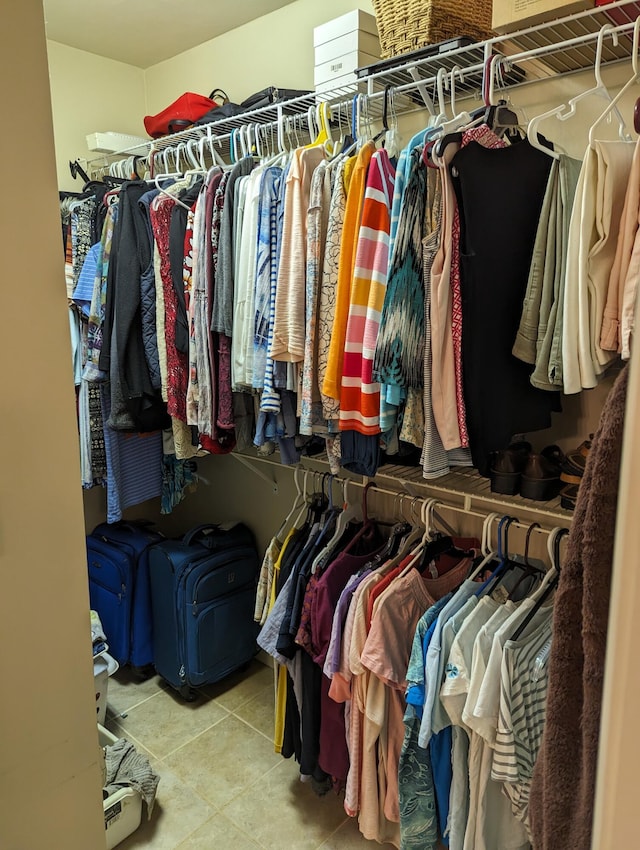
column 559, row 47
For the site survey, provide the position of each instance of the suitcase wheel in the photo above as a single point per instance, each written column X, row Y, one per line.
column 143, row 673
column 188, row 694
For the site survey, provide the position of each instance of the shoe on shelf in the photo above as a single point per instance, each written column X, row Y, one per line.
column 569, row 496
column 541, row 475
column 574, row 463
column 507, row 467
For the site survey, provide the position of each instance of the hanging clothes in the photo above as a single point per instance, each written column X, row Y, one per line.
column 329, row 284
column 539, row 337
column 400, row 345
column 346, row 266
column 360, row 394
column 619, row 312
column 310, row 400
column 288, row 342
column 593, row 232
column 499, row 398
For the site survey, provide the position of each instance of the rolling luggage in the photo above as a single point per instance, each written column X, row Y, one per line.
column 118, row 563
column 203, row 591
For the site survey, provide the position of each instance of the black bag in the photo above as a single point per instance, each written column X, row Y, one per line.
column 265, row 97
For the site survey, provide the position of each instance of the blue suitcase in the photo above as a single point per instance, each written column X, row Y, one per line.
column 203, row 590
column 118, row 563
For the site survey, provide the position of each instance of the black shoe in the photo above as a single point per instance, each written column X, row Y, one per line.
column 507, row 467
column 541, row 476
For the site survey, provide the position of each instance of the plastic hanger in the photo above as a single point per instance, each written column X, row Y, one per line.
column 565, row 111
column 528, row 569
column 350, row 511
column 168, row 175
column 505, row 565
column 490, row 554
column 368, row 523
column 550, row 582
column 497, row 115
column 613, row 106
column 450, row 131
column 426, row 517
column 299, row 498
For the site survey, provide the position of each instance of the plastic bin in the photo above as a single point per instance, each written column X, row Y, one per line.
column 122, row 810
column 103, row 667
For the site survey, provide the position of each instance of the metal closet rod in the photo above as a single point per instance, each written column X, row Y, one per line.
column 439, row 503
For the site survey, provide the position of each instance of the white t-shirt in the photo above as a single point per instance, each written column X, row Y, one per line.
column 432, row 663
column 487, row 702
column 453, row 695
column 439, row 716
column 491, row 824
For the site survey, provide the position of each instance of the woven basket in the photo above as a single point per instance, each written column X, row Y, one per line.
column 405, row 25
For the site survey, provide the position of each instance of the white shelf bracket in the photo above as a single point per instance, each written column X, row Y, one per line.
column 258, row 472
column 422, row 88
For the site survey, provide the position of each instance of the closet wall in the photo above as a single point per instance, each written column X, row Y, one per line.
column 275, row 50
column 49, row 772
column 90, row 94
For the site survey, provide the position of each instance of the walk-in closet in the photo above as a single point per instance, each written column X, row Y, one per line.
column 366, row 322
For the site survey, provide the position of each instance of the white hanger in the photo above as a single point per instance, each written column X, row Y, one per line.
column 564, row 112
column 295, row 505
column 216, row 158
column 613, row 106
column 441, row 84
column 311, row 123
column 168, row 175
column 486, row 548
column 350, row 510
column 426, row 514
column 190, row 149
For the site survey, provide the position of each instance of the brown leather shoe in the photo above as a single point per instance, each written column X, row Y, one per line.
column 541, row 476
column 574, row 463
column 507, row 467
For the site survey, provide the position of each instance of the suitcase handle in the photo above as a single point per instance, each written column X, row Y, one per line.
column 198, row 531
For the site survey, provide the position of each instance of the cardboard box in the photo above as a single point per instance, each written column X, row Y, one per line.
column 511, row 15
column 351, row 22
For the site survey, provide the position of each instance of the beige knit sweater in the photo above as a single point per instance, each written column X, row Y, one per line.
column 563, row 787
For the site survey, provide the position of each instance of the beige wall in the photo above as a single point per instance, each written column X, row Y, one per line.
column 276, row 49
column 91, row 94
column 49, row 775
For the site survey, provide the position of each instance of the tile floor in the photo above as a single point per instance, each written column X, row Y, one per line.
column 222, row 785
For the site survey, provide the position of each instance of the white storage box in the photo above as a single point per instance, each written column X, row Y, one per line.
column 103, row 667
column 351, row 22
column 350, row 42
column 122, row 810
column 342, row 45
column 115, row 142
column 342, row 66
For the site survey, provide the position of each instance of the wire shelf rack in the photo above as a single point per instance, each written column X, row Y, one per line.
column 563, row 46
